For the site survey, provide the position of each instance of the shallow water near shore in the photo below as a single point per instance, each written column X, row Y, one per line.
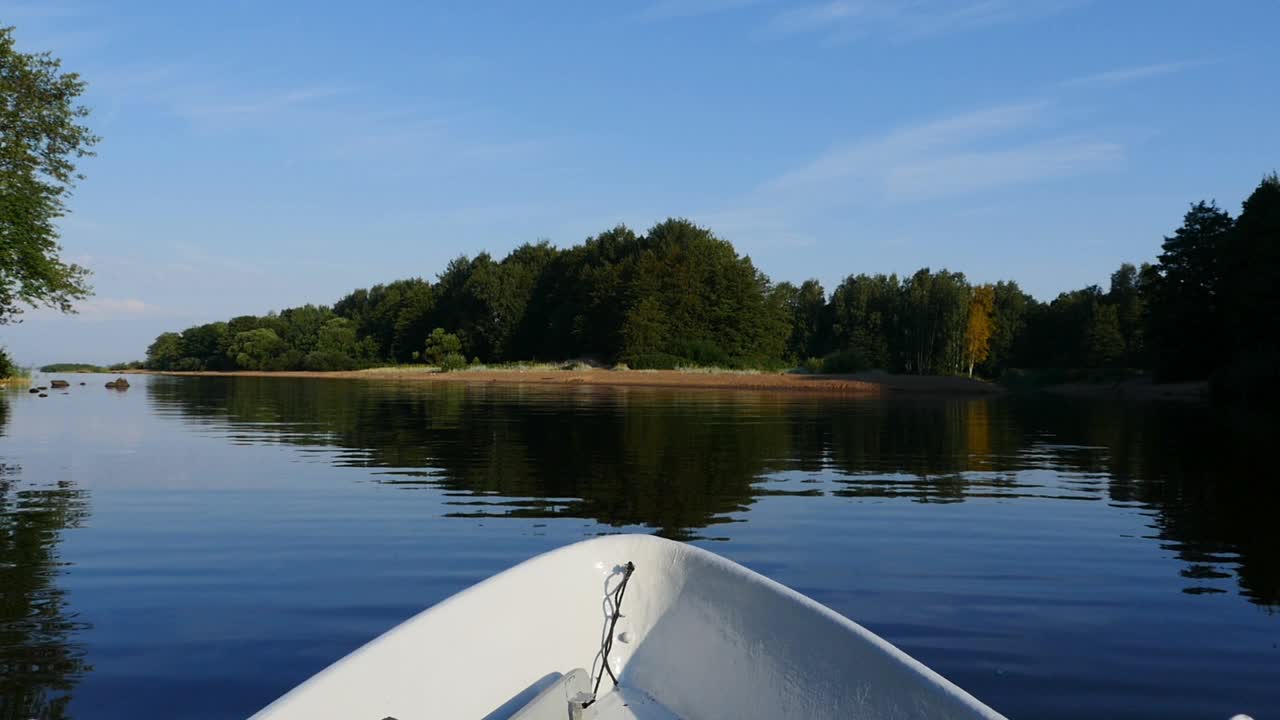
column 196, row 546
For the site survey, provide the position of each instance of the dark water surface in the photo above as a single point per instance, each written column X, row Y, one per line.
column 194, row 547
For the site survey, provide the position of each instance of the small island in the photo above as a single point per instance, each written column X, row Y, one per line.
column 680, row 303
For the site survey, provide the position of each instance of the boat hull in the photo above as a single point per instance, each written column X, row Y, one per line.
column 703, row 636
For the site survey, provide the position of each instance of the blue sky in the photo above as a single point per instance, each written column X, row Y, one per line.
column 260, row 155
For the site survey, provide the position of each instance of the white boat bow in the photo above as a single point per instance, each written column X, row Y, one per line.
column 698, row 636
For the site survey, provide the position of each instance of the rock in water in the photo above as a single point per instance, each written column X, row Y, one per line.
column 59, row 384
column 118, row 384
column 34, row 390
column 44, row 395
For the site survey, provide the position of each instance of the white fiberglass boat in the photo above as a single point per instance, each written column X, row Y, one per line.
column 697, row 636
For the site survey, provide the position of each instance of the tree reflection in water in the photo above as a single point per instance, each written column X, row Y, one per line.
column 682, row 463
column 40, row 660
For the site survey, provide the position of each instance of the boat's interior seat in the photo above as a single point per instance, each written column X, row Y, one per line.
column 561, row 699
column 569, row 696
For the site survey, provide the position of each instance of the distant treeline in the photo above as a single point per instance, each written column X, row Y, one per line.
column 89, row 367
column 72, row 368
column 679, row 295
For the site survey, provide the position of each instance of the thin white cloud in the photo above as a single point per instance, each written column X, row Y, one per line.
column 867, row 157
column 974, row 151
column 210, row 94
column 678, row 9
column 959, row 17
column 1124, row 76
column 12, row 11
column 261, row 104
column 103, row 309
column 973, row 171
column 403, row 133
column 824, row 16
column 105, row 306
column 150, row 81
column 49, row 33
column 405, row 141
column 908, row 19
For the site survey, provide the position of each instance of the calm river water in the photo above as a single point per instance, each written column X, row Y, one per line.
column 194, row 547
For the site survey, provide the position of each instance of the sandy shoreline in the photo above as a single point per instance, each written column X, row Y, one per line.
column 861, row 384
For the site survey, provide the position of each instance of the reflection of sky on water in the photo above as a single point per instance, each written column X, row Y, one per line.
column 244, row 533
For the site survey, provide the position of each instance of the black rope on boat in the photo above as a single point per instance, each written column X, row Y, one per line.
column 607, row 645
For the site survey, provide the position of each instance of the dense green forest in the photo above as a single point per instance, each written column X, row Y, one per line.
column 679, row 295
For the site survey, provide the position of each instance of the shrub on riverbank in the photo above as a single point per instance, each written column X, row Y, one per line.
column 7, row 367
column 654, row 361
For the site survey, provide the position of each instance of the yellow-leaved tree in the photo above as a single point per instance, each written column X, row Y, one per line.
column 977, row 336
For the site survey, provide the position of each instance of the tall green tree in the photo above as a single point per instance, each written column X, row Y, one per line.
column 584, row 295
column 457, row 305
column 440, row 345
column 1008, row 327
column 300, row 326
column 810, row 323
column 935, row 310
column 1128, row 297
column 1104, row 340
column 1057, row 334
column 644, row 330
column 396, row 315
column 259, row 349
column 42, row 136
column 336, row 347
column 498, row 295
column 686, row 289
column 1185, row 317
column 528, row 284
column 165, row 352
column 208, row 344
column 1251, row 272
column 866, row 320
column 337, row 335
